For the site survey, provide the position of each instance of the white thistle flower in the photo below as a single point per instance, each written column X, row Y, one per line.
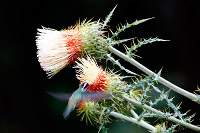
column 57, row 49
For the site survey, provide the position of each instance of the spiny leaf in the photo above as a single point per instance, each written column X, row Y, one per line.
column 163, row 95
column 103, row 120
column 156, row 89
column 131, row 51
column 119, row 41
column 163, row 115
column 115, row 62
column 108, row 18
column 144, row 96
column 171, row 129
column 146, row 41
column 126, row 26
column 158, row 75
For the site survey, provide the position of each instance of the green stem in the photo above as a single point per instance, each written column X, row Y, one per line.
column 133, row 120
column 134, row 114
column 161, row 80
column 171, row 118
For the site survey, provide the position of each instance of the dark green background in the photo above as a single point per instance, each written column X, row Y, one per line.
column 26, row 108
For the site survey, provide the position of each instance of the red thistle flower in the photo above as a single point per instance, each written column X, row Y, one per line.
column 100, row 83
column 92, row 74
column 98, row 79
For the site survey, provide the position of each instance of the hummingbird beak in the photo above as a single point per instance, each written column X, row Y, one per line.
column 84, row 86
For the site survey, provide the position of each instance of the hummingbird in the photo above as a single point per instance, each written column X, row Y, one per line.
column 81, row 94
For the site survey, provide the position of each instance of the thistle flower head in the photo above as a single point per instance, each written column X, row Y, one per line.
column 98, row 79
column 57, row 49
column 89, row 72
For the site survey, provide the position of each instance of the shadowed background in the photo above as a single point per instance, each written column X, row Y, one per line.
column 25, row 107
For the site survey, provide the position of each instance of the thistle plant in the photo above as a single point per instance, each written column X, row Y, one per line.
column 107, row 93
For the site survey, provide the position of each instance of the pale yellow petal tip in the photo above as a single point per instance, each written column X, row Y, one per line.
column 57, row 49
column 88, row 69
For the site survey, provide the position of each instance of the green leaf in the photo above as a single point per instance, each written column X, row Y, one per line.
column 103, row 120
column 116, row 62
column 108, row 18
column 119, row 41
column 158, row 75
column 131, row 51
column 156, row 89
column 127, row 25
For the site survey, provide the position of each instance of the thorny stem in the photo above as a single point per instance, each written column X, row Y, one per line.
column 171, row 118
column 161, row 80
column 133, row 120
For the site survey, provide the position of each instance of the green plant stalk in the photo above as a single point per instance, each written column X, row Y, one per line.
column 161, row 80
column 134, row 114
column 171, row 118
column 137, row 117
column 133, row 120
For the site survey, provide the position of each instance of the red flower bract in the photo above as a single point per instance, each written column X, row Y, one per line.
column 80, row 106
column 73, row 44
column 100, row 84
